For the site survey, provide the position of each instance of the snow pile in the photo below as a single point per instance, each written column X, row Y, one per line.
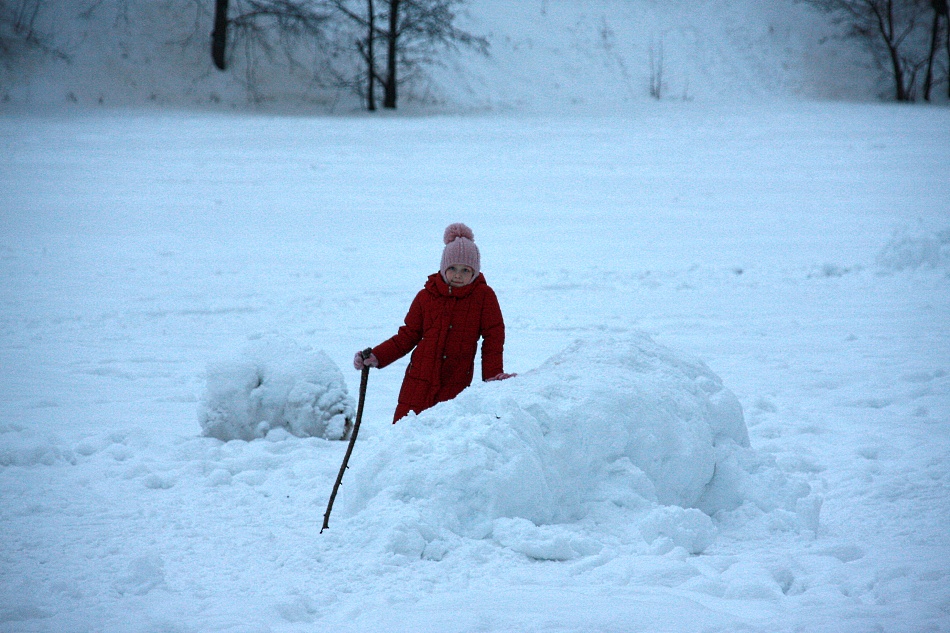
column 26, row 448
column 908, row 251
column 276, row 384
column 627, row 429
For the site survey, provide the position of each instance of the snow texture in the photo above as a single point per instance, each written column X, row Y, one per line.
column 276, row 384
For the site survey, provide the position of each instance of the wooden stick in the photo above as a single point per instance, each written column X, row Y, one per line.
column 349, row 449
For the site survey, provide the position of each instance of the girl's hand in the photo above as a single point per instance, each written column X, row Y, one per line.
column 359, row 363
column 501, row 376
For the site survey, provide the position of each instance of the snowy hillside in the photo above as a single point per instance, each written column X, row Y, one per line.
column 545, row 55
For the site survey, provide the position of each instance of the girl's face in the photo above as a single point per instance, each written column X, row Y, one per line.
column 459, row 275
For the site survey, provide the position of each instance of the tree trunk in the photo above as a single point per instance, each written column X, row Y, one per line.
column 887, row 28
column 219, row 37
column 389, row 98
column 900, row 92
column 942, row 9
column 934, row 36
column 371, row 57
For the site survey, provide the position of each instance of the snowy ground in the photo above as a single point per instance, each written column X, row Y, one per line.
column 800, row 250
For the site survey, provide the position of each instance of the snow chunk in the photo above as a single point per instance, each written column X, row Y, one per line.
column 625, row 424
column 909, row 250
column 543, row 542
column 276, row 384
column 669, row 527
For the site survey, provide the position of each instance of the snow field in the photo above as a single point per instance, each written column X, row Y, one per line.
column 137, row 249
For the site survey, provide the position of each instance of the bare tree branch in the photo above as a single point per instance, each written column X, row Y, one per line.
column 893, row 30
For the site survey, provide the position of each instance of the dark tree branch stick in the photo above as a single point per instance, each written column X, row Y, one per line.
column 349, row 449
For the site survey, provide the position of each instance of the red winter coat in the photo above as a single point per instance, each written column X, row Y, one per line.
column 444, row 325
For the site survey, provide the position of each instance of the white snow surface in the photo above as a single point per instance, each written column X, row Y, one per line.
column 728, row 314
column 799, row 251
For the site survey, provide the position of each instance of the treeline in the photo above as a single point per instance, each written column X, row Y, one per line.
column 368, row 47
column 390, row 40
column 393, row 39
column 375, row 48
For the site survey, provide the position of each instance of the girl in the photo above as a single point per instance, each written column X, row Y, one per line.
column 448, row 316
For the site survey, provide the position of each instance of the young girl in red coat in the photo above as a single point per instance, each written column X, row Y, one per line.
column 448, row 316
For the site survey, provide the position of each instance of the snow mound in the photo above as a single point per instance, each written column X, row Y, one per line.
column 907, row 250
column 275, row 384
column 605, row 426
column 26, row 448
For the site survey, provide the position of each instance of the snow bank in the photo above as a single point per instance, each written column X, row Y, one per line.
column 605, row 426
column 275, row 384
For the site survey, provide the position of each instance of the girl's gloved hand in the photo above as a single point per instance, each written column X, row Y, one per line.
column 359, row 363
column 501, row 376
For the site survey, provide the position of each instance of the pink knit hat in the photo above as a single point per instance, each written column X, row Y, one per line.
column 460, row 249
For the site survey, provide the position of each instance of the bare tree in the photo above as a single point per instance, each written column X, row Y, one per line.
column 895, row 32
column 656, row 70
column 418, row 31
column 369, row 55
column 269, row 27
column 19, row 26
column 413, row 32
column 265, row 21
column 362, row 14
column 940, row 11
column 946, row 20
column 219, row 37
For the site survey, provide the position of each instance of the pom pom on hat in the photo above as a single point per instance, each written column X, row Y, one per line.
column 460, row 249
column 456, row 230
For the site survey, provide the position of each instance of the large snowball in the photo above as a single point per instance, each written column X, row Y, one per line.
column 275, row 383
column 618, row 423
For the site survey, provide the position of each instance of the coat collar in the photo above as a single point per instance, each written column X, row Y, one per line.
column 437, row 286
